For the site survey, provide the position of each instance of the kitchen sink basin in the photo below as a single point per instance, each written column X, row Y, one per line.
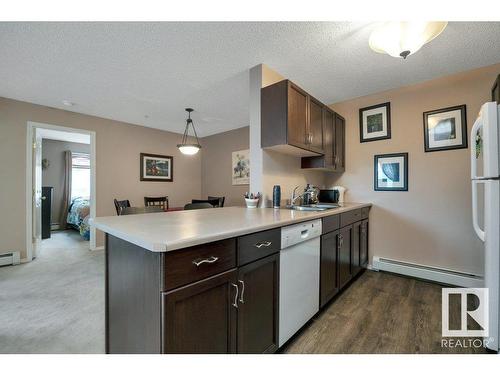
column 314, row 207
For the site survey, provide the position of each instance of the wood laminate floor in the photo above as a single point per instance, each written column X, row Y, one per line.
column 378, row 313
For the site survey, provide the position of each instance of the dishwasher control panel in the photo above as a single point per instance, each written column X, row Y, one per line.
column 301, row 232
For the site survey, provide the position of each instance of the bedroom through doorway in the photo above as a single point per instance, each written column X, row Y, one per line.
column 63, row 186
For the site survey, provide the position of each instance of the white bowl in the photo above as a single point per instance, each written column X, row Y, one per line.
column 252, row 203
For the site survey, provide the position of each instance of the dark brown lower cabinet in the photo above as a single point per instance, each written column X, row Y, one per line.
column 344, row 255
column 258, row 306
column 356, row 248
column 233, row 312
column 328, row 268
column 363, row 243
column 201, row 317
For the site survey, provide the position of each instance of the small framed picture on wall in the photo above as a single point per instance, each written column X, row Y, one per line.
column 445, row 129
column 391, row 172
column 156, row 168
column 375, row 122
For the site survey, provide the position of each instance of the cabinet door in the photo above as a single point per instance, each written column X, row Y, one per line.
column 339, row 157
column 328, row 286
column 344, row 255
column 315, row 126
column 356, row 248
column 328, row 137
column 297, row 116
column 258, row 306
column 200, row 317
column 363, row 244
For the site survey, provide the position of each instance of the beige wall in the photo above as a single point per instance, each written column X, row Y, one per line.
column 216, row 165
column 53, row 151
column 117, row 174
column 431, row 223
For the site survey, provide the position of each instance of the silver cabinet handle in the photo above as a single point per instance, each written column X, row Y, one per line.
column 235, row 303
column 242, row 291
column 264, row 243
column 212, row 259
column 43, row 198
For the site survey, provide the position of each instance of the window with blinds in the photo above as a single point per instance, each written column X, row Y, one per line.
column 80, row 175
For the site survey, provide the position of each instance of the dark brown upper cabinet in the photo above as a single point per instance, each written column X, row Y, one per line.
column 333, row 158
column 291, row 120
column 339, row 150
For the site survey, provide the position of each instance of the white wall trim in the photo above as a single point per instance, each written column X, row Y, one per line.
column 31, row 128
column 440, row 275
column 98, row 248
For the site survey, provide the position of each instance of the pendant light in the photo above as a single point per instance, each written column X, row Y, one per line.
column 402, row 39
column 185, row 147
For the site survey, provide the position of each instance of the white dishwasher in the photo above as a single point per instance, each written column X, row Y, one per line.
column 299, row 276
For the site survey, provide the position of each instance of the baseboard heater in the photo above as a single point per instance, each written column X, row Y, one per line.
column 9, row 259
column 439, row 275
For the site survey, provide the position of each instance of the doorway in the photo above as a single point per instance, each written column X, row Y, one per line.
column 60, row 186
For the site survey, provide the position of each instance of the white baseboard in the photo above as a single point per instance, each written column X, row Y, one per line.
column 97, row 248
column 55, row 226
column 440, row 275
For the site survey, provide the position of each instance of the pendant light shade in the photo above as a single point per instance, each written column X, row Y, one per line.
column 402, row 39
column 185, row 147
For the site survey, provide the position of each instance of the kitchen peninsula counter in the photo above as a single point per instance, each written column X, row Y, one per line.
column 208, row 281
column 167, row 231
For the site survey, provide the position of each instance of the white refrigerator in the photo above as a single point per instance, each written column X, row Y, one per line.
column 485, row 173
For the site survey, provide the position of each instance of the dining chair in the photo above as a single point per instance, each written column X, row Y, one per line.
column 221, row 200
column 197, row 206
column 121, row 204
column 156, row 202
column 139, row 210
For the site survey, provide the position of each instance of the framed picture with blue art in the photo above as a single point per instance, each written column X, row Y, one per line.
column 391, row 172
column 445, row 129
column 375, row 122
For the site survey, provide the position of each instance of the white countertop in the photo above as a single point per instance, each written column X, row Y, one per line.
column 166, row 231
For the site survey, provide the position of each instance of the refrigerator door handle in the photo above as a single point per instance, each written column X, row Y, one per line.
column 475, row 224
column 473, row 160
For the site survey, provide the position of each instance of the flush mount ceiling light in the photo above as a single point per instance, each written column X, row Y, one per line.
column 185, row 147
column 402, row 39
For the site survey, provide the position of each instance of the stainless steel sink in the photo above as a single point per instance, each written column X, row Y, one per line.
column 314, row 207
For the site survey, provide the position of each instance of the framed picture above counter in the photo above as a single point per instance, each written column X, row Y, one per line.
column 391, row 172
column 157, row 168
column 375, row 122
column 445, row 129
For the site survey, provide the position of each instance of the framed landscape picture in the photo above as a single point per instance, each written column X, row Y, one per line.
column 445, row 129
column 157, row 168
column 391, row 172
column 375, row 122
column 241, row 167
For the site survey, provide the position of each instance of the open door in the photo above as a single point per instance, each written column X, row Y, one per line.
column 37, row 193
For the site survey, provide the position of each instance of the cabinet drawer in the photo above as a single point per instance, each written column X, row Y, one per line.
column 195, row 263
column 330, row 223
column 364, row 212
column 258, row 245
column 350, row 217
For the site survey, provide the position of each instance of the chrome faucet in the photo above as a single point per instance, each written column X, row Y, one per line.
column 295, row 197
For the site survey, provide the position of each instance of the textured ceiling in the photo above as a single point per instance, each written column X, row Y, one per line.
column 126, row 71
